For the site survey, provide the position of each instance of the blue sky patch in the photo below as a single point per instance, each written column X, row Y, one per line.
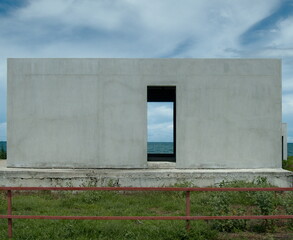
column 266, row 28
column 8, row 6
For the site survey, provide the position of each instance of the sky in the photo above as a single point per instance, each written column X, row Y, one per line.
column 149, row 29
column 160, row 121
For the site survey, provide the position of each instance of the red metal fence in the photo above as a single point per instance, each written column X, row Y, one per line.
column 187, row 216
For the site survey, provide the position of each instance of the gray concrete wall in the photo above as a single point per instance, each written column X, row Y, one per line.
column 92, row 113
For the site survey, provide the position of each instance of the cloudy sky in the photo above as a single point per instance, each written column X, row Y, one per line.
column 149, row 29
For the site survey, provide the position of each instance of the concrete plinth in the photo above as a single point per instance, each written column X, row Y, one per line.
column 154, row 176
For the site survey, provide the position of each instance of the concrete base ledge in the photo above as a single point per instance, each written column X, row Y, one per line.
column 151, row 177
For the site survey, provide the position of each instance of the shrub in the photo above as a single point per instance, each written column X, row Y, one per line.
column 221, row 206
column 287, row 203
column 3, row 154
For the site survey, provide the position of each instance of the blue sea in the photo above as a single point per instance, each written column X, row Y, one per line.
column 167, row 147
column 162, row 147
column 3, row 146
column 290, row 149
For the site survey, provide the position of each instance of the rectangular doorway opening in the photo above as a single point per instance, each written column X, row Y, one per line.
column 161, row 113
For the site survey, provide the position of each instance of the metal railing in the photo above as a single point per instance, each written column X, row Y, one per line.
column 187, row 216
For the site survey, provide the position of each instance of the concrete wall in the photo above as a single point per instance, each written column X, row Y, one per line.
column 92, row 113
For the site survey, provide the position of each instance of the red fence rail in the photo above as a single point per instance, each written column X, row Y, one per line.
column 187, row 216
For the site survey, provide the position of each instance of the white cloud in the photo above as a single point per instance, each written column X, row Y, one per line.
column 160, row 112
column 3, row 134
column 285, row 34
column 3, row 88
column 160, row 122
column 160, row 132
column 155, row 127
column 108, row 15
column 288, row 104
column 288, row 84
column 145, row 28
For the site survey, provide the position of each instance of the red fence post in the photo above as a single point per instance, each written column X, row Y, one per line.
column 187, row 210
column 9, row 212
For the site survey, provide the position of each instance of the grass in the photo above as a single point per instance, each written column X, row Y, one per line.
column 288, row 164
column 3, row 154
column 148, row 204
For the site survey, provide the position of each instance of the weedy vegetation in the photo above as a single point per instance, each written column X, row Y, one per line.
column 3, row 154
column 103, row 203
column 288, row 164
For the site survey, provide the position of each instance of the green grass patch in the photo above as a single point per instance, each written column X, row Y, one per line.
column 288, row 164
column 3, row 154
column 122, row 203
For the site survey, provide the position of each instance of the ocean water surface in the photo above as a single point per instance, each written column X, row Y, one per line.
column 2, row 146
column 290, row 149
column 160, row 147
column 167, row 147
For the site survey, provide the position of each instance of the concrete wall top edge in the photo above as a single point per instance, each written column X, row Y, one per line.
column 144, row 66
column 164, row 60
column 196, row 59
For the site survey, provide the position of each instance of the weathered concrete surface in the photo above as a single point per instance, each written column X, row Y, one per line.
column 92, row 113
column 136, row 177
